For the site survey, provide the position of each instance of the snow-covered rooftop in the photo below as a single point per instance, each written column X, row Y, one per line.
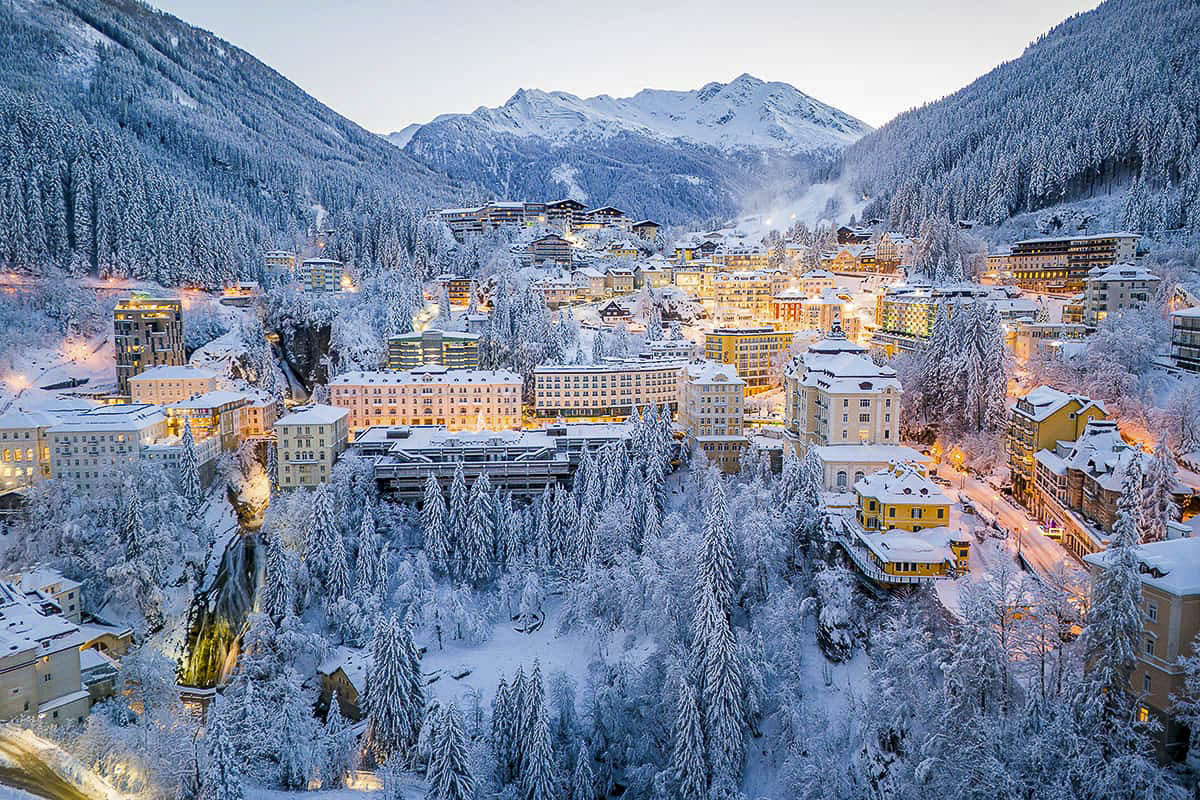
column 1172, row 565
column 429, row 373
column 174, row 373
column 901, row 483
column 1120, row 272
column 315, row 414
column 122, row 417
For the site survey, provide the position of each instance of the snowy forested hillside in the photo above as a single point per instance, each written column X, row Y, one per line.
column 137, row 144
column 671, row 155
column 1106, row 102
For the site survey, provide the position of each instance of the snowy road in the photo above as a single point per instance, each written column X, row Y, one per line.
column 1042, row 554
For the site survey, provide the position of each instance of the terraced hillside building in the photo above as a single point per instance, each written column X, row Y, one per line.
column 1061, row 263
column 451, row 349
column 754, row 352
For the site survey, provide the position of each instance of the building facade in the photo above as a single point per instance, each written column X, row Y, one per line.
column 552, row 249
column 431, row 395
column 216, row 413
column 1061, row 263
column 1170, row 624
column 24, row 448
column 1185, row 338
column 1038, row 421
column 163, row 385
column 451, row 349
column 147, row 332
column 1110, row 290
column 712, row 412
column 85, row 448
column 310, row 439
column 607, row 391
column 757, row 353
column 749, row 291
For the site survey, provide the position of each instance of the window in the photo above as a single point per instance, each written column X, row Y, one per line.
column 1143, row 714
column 1149, row 646
column 1146, row 683
column 1152, row 611
column 892, row 511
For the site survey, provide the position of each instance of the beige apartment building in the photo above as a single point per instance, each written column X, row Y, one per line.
column 147, row 332
column 712, row 412
column 1110, row 290
column 1029, row 340
column 754, row 351
column 1061, row 263
column 1170, row 573
column 605, row 391
column 322, row 275
column 310, row 439
column 24, row 448
column 85, row 448
column 460, row 399
column 164, row 385
column 280, row 259
column 258, row 416
column 39, row 659
column 749, row 291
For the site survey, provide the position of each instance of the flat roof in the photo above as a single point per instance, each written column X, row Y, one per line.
column 430, row 373
column 174, row 373
column 315, row 414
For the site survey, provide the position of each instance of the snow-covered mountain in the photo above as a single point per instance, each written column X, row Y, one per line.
column 675, row 155
column 744, row 114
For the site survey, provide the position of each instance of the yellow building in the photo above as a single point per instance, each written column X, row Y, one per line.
column 1039, row 421
column 451, row 349
column 712, row 412
column 322, row 275
column 1170, row 578
column 755, row 352
column 310, row 440
column 900, row 498
column 216, row 413
column 461, row 290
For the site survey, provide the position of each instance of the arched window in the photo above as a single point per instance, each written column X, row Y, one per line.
column 858, row 476
column 841, row 479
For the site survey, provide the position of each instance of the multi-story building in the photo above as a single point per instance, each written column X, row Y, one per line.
column 749, row 291
column 893, row 250
column 85, row 448
column 1170, row 624
column 603, row 217
column 741, row 256
column 791, row 311
column 451, row 349
column 147, row 332
column 853, row 234
column 310, row 439
column 163, row 385
column 646, row 229
column 815, row 282
column 712, row 412
column 24, row 448
column 321, row 275
column 458, row 399
column 523, row 462
column 565, row 214
column 611, row 390
column 461, row 290
column 1061, row 263
column 619, row 280
column 757, row 353
column 1109, row 290
column 217, row 413
column 258, row 416
column 280, row 259
column 39, row 659
column 900, row 497
column 668, row 350
column 854, row 258
column 905, row 314
column 590, row 282
column 1039, row 420
column 558, row 291
column 550, row 248
column 1030, row 340
column 1078, row 483
column 1185, row 338
column 620, row 248
column 835, row 394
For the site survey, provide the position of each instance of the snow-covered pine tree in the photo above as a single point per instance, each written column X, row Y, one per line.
column 716, row 554
column 456, row 521
column 1113, row 632
column 189, row 471
column 502, row 739
column 390, row 726
column 688, row 766
column 278, row 597
column 222, row 778
column 338, row 585
column 433, row 524
column 724, row 719
column 583, row 782
column 366, row 558
column 479, row 537
column 539, row 780
column 273, row 465
column 1157, row 504
column 340, row 746
column 449, row 771
column 320, row 544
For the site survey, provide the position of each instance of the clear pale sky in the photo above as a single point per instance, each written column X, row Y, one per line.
column 385, row 64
